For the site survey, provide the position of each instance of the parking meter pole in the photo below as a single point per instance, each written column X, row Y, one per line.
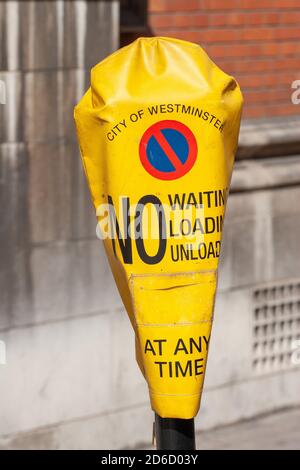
column 174, row 434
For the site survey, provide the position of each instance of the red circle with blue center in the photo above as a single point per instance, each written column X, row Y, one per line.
column 168, row 150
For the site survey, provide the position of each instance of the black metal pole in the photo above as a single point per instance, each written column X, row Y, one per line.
column 174, row 434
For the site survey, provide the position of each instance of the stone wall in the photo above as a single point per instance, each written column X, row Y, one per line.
column 256, row 41
column 59, row 306
column 71, row 380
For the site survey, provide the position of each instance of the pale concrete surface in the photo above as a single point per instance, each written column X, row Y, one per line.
column 277, row 431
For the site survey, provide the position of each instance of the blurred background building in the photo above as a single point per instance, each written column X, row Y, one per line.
column 70, row 378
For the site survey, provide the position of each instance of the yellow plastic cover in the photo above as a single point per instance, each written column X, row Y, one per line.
column 158, row 131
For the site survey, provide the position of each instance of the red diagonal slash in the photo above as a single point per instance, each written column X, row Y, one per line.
column 172, row 156
column 156, row 131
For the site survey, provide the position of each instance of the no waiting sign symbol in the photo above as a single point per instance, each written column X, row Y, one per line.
column 168, row 150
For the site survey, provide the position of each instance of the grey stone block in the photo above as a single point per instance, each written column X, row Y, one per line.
column 225, row 265
column 39, row 35
column 9, row 36
column 286, row 249
column 266, row 173
column 65, row 34
column 55, row 373
column 230, row 352
column 3, row 48
column 41, row 106
column 129, row 388
column 271, row 137
column 242, row 400
column 118, row 430
column 282, row 201
column 240, row 206
column 90, row 29
column 102, row 31
column 50, row 98
column 276, row 431
column 261, row 238
column 242, row 252
column 11, row 113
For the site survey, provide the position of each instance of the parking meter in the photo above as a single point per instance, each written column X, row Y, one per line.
column 158, row 131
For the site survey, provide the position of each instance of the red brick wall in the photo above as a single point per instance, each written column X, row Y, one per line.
column 257, row 41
